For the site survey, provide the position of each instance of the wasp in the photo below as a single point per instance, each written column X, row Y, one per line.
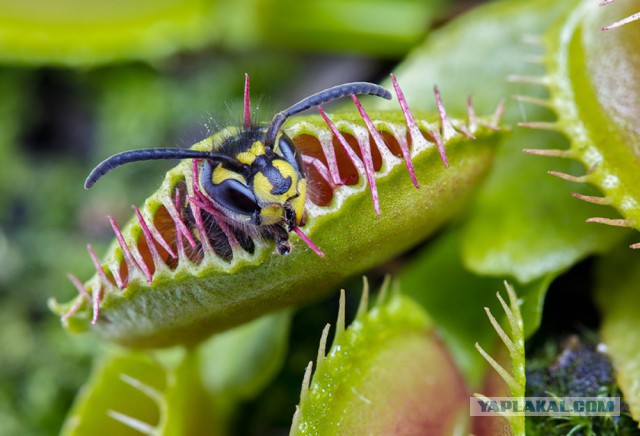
column 255, row 179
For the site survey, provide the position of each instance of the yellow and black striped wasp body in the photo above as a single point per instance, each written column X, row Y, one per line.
column 255, row 179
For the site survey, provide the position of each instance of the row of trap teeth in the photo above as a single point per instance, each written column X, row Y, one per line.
column 141, row 260
column 363, row 308
column 570, row 153
column 389, row 143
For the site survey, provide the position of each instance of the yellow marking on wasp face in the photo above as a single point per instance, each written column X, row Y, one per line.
column 247, row 157
column 262, row 186
column 298, row 203
column 287, row 170
column 220, row 174
column 272, row 214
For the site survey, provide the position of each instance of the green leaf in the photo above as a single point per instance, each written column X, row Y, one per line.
column 134, row 392
column 438, row 280
column 75, row 33
column 118, row 384
column 193, row 297
column 239, row 363
column 386, row 371
column 542, row 229
column 378, row 27
column 618, row 296
column 178, row 391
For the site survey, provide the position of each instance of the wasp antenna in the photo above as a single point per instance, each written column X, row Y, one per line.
column 247, row 103
column 151, row 154
column 354, row 88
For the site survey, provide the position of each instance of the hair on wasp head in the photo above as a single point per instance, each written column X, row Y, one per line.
column 255, row 179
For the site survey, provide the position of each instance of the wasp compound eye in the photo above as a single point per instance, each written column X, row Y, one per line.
column 234, row 196
column 290, row 153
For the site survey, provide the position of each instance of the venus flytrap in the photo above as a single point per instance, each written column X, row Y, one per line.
column 161, row 284
column 514, row 343
column 180, row 391
column 386, row 371
column 593, row 85
column 521, row 224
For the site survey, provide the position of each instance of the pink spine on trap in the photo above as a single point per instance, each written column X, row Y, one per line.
column 620, row 222
column 72, row 310
column 201, row 230
column 115, row 271
column 622, row 22
column 471, row 113
column 619, row 23
column 179, row 245
column 497, row 116
column 78, row 304
column 82, row 290
column 151, row 231
column 543, row 125
column 353, row 157
column 568, row 177
column 181, row 228
column 548, row 152
column 592, row 199
column 366, row 155
column 416, row 136
column 131, row 259
column 320, row 167
column 98, row 267
column 148, row 237
column 137, row 256
column 202, row 203
column 332, row 162
column 247, row 103
column 97, row 293
column 205, row 204
column 195, row 209
column 308, row 241
column 97, row 296
column 447, row 128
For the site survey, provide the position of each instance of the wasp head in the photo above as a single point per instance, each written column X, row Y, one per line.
column 267, row 187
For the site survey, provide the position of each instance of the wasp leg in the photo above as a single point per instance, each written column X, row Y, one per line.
column 281, row 236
